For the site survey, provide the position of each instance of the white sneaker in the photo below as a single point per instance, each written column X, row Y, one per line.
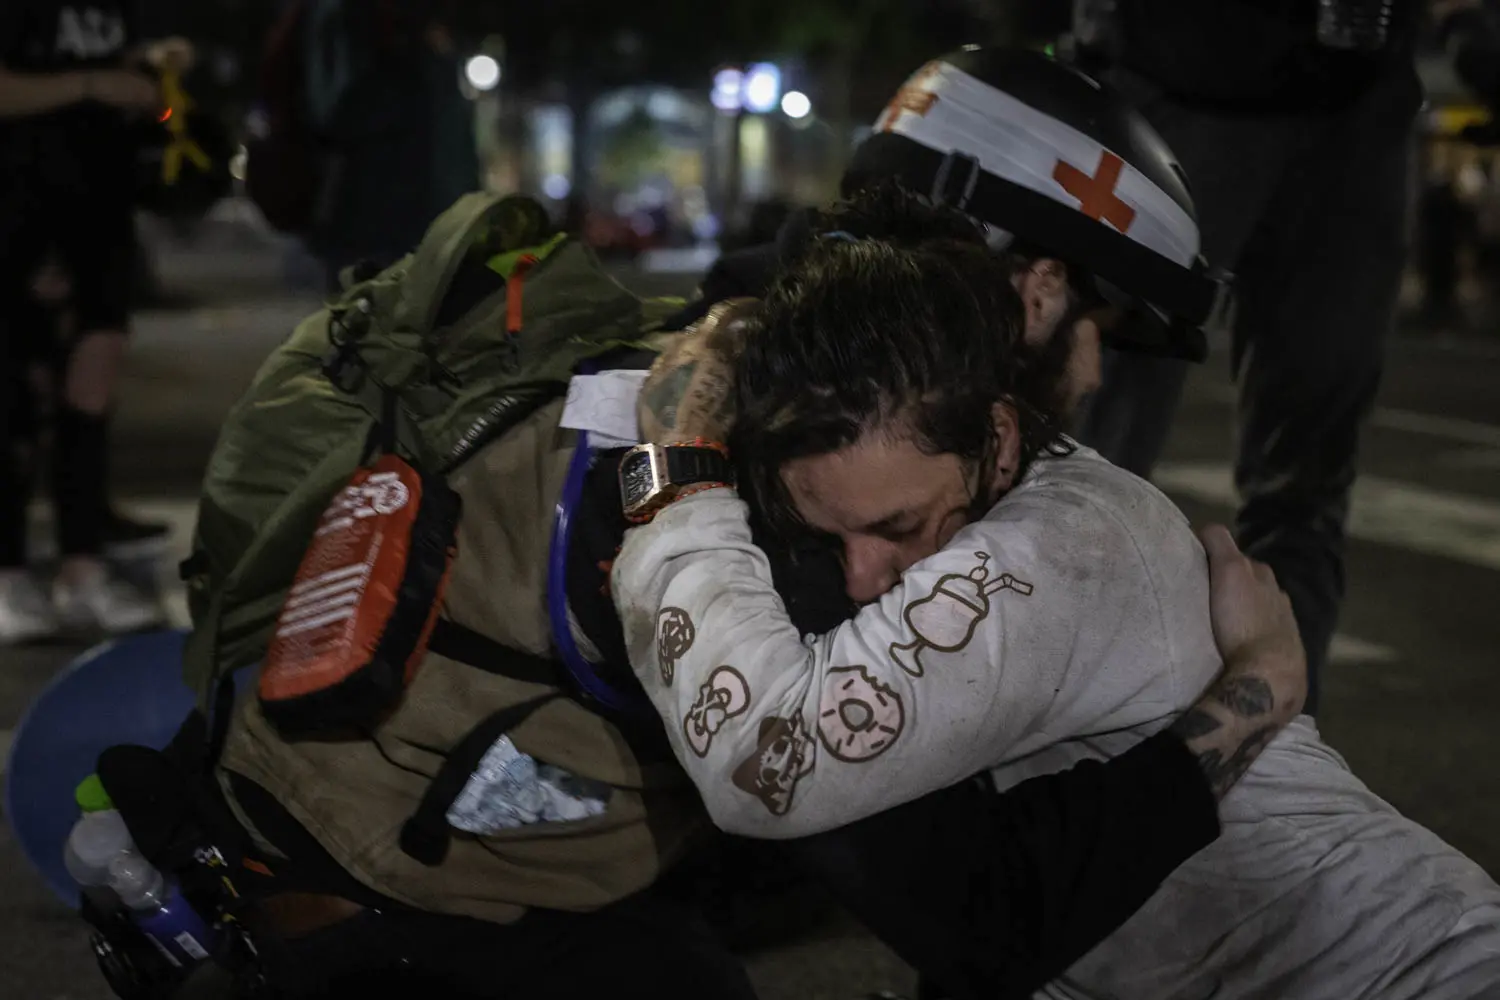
column 25, row 613
column 102, row 602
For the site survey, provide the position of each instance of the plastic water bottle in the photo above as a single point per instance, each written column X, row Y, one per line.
column 98, row 838
column 158, row 909
column 114, row 876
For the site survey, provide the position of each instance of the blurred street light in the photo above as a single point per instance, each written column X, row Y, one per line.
column 726, row 93
column 482, row 72
column 762, row 88
column 796, row 104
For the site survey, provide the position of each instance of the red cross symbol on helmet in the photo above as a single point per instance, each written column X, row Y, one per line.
column 1096, row 192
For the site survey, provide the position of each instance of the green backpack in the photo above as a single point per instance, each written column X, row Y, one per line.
column 439, row 354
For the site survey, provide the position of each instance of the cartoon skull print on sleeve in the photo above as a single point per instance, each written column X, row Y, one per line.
column 723, row 696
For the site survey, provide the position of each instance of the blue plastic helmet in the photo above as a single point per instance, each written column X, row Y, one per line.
column 124, row 691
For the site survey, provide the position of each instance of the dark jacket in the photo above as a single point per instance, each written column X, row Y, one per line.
column 398, row 135
column 83, row 146
column 1253, row 54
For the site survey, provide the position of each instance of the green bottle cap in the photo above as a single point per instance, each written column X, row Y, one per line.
column 91, row 796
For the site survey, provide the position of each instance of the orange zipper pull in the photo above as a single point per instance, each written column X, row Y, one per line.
column 513, row 293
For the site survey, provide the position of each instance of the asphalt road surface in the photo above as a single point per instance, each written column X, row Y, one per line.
column 1412, row 697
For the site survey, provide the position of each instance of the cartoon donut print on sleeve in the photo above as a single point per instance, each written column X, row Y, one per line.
column 859, row 718
column 720, row 698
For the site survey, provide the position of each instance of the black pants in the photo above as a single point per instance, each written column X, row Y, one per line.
column 91, row 231
column 1309, row 211
column 654, row 944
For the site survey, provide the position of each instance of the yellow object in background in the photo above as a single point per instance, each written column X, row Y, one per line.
column 1453, row 119
column 180, row 145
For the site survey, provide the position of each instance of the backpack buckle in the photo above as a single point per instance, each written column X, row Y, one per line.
column 344, row 369
column 343, row 366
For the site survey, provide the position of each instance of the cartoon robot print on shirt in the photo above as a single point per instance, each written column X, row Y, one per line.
column 945, row 619
column 783, row 757
column 723, row 696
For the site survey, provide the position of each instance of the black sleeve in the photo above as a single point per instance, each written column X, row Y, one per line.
column 135, row 25
column 1474, row 41
column 992, row 895
column 15, row 25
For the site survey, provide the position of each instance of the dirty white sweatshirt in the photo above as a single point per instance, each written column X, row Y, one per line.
column 1070, row 622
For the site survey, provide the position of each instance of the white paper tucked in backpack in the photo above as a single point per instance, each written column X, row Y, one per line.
column 604, row 405
column 511, row 789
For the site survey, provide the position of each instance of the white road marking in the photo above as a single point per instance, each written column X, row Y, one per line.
column 1471, row 432
column 1463, row 528
column 1346, row 649
column 1470, row 460
column 182, row 515
column 1448, row 428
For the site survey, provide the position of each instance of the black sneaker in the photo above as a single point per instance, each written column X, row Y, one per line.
column 126, row 538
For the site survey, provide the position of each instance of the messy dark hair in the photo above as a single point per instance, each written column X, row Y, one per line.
column 895, row 315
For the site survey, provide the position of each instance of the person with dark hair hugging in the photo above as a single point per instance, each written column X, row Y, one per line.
column 1022, row 605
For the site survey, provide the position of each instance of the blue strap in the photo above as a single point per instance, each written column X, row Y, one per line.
column 583, row 672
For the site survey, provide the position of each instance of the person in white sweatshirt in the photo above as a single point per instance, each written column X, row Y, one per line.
column 1025, row 605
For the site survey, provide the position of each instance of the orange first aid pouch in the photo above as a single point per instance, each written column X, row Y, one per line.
column 357, row 619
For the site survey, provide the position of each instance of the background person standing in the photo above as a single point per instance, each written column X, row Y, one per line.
column 396, row 134
column 1293, row 123
column 70, row 96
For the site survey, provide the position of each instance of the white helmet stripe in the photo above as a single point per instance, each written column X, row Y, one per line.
column 946, row 109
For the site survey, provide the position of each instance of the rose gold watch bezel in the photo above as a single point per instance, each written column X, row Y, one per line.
column 659, row 494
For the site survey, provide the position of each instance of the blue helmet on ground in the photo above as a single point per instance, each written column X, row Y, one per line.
column 124, row 691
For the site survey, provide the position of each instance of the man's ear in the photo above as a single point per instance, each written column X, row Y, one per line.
column 1043, row 288
column 1008, row 444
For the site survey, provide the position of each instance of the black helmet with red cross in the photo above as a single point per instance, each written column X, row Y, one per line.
column 1049, row 158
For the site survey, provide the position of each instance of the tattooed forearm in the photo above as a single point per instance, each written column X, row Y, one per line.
column 690, row 391
column 1246, row 697
column 665, row 397
column 1223, row 772
column 1228, row 728
column 715, row 397
column 694, row 399
column 1194, row 724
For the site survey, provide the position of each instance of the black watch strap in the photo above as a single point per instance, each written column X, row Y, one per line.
column 687, row 465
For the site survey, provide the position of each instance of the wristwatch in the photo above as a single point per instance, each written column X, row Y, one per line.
column 653, row 475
